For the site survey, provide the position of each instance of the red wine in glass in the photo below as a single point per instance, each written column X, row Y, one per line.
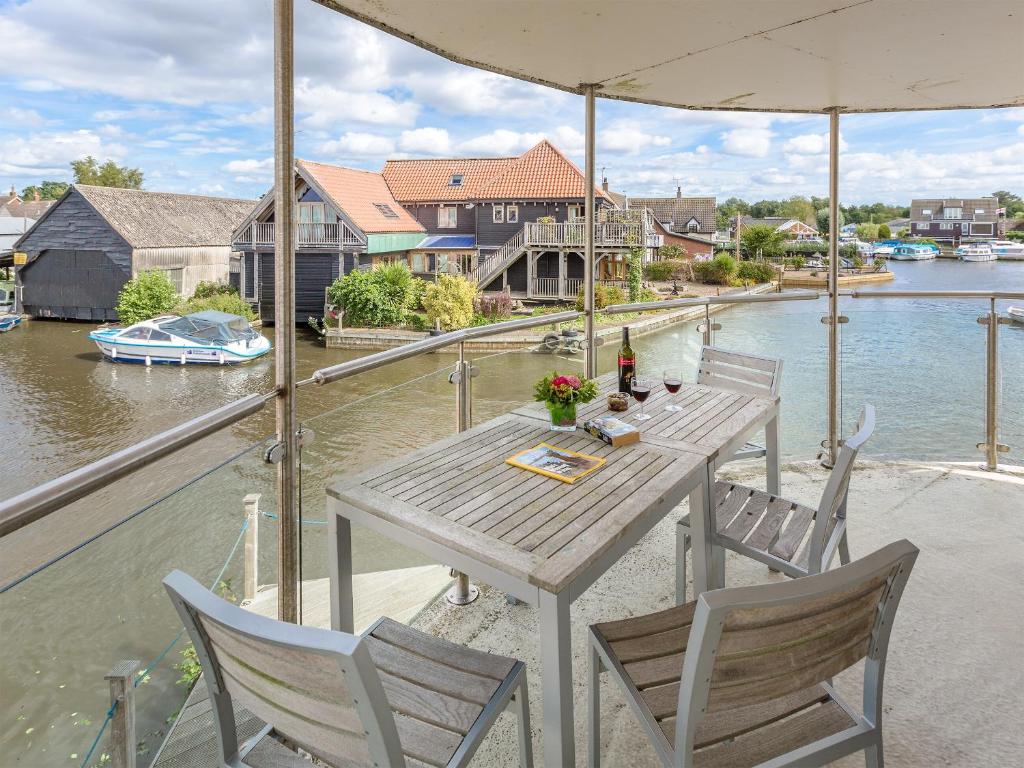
column 641, row 391
column 673, row 381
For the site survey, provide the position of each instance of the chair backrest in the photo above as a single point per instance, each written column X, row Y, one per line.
column 753, row 645
column 317, row 687
column 745, row 373
column 832, row 506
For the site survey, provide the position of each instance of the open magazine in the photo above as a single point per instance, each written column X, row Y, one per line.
column 550, row 461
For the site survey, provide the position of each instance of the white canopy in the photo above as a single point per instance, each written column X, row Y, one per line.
column 765, row 55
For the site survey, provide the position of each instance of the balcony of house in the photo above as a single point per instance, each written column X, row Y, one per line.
column 260, row 234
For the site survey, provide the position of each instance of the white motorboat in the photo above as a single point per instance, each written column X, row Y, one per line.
column 213, row 338
column 1016, row 314
column 976, row 252
column 1008, row 249
column 913, row 252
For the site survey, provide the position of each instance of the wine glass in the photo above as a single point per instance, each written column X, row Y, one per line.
column 673, row 380
column 641, row 391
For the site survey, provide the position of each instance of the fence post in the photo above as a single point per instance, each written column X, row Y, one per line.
column 122, row 724
column 252, row 546
column 992, row 447
column 462, row 592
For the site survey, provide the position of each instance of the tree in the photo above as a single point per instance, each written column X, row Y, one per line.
column 884, row 233
column 48, row 190
column 822, row 217
column 765, row 208
column 867, row 232
column 726, row 212
column 1013, row 204
column 449, row 301
column 110, row 174
column 798, row 208
column 148, row 295
column 761, row 240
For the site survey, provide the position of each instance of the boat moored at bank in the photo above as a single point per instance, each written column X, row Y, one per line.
column 1008, row 250
column 9, row 322
column 913, row 252
column 977, row 252
column 211, row 338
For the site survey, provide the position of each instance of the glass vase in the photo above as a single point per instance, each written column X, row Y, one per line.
column 563, row 417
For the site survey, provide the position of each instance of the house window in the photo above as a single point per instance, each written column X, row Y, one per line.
column 978, row 210
column 575, row 212
column 456, row 180
column 926, row 211
column 174, row 275
column 447, row 218
column 419, row 262
column 498, row 214
column 923, row 225
column 386, row 210
column 511, row 214
column 945, row 225
column 441, row 263
column 692, row 225
column 981, row 229
column 952, row 213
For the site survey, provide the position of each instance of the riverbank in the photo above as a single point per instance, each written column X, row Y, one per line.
column 375, row 339
column 805, row 278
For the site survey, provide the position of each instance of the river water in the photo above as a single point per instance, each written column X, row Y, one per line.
column 920, row 362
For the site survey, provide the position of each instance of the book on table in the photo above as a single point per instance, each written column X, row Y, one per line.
column 613, row 431
column 559, row 463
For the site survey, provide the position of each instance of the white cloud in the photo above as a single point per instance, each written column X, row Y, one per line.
column 426, row 141
column 355, row 143
column 475, row 92
column 24, row 118
column 747, row 142
column 326, row 106
column 629, row 138
column 1020, row 129
column 251, row 170
column 500, row 142
column 811, row 144
column 51, row 153
column 773, row 176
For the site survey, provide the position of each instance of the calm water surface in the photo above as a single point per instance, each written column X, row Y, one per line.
column 920, row 362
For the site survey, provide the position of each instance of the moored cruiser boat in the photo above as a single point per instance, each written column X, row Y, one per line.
column 213, row 338
column 1008, row 249
column 976, row 252
column 1016, row 314
column 7, row 322
column 912, row 252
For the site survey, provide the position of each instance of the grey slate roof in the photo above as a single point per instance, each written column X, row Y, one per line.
column 988, row 205
column 675, row 212
column 167, row 220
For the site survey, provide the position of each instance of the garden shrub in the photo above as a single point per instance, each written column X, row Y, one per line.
column 231, row 303
column 635, row 273
column 145, row 296
column 671, row 253
column 450, row 301
column 719, row 271
column 755, row 272
column 375, row 298
column 604, row 296
column 662, row 271
column 796, row 262
column 206, row 289
column 495, row 306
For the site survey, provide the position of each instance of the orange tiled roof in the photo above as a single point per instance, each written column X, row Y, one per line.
column 421, row 181
column 356, row 193
column 541, row 173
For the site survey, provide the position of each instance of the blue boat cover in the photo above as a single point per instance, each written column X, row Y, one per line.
column 448, row 241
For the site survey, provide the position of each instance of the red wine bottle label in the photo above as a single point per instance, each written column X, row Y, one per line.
column 630, row 361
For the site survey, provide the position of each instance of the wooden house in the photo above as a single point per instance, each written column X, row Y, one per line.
column 87, row 245
column 793, row 229
column 955, row 219
column 347, row 219
column 521, row 217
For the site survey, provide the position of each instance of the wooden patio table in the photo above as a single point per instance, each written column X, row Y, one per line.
column 539, row 539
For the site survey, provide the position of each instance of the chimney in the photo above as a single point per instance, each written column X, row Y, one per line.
column 604, row 183
column 13, row 193
column 679, row 193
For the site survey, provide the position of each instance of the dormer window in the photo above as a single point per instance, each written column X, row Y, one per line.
column 926, row 211
column 692, row 225
column 456, row 180
column 952, row 213
column 386, row 210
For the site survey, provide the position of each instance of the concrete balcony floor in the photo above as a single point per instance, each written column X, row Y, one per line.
column 955, row 676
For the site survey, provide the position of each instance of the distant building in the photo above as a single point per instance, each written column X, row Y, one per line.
column 85, row 247
column 955, row 219
column 11, row 204
column 11, row 230
column 793, row 229
column 897, row 224
column 688, row 222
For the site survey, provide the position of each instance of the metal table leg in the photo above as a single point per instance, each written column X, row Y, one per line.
column 556, row 680
column 339, row 565
column 771, row 436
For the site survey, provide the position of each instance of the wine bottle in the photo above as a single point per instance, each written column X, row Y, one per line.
column 627, row 364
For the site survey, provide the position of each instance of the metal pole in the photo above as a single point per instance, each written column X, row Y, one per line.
column 992, row 446
column 284, row 308
column 590, row 361
column 833, row 287
column 462, row 592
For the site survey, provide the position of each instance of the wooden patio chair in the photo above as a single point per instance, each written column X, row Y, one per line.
column 743, row 677
column 771, row 529
column 390, row 697
column 749, row 374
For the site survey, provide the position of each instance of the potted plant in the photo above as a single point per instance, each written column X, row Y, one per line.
column 561, row 394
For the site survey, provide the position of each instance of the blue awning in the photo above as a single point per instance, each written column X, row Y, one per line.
column 439, row 242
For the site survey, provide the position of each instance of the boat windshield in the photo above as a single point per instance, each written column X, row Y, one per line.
column 210, row 328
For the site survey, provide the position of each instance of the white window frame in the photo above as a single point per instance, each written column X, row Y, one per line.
column 419, row 262
column 511, row 214
column 945, row 225
column 979, row 210
column 445, row 220
column 574, row 212
column 923, row 224
column 498, row 214
column 948, row 213
column 175, row 275
column 926, row 211
column 989, row 224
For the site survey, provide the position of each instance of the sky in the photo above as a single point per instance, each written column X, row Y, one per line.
column 182, row 89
